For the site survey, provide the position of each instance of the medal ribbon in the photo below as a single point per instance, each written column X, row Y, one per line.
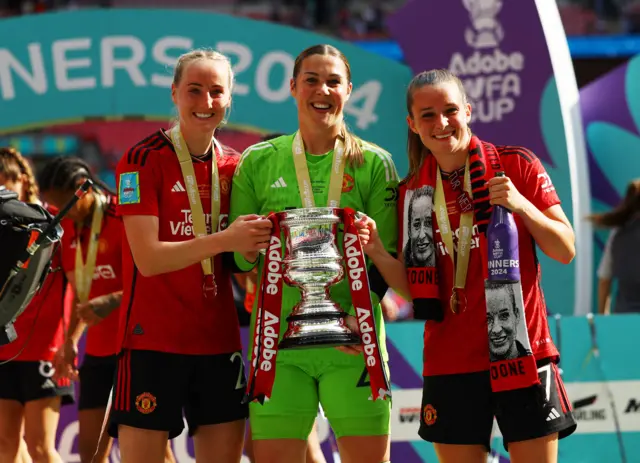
column 302, row 173
column 464, row 239
column 84, row 270
column 197, row 213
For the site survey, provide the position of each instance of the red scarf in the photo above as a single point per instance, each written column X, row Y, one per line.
column 484, row 161
column 267, row 328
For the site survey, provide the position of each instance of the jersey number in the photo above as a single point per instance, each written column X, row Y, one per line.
column 240, row 382
column 546, row 186
column 547, row 379
column 364, row 379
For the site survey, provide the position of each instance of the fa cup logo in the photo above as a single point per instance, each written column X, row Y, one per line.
column 487, row 31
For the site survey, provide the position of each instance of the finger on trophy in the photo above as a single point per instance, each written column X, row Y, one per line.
column 261, row 245
column 263, row 224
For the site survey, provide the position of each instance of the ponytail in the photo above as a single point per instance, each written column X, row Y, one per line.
column 352, row 147
column 417, row 152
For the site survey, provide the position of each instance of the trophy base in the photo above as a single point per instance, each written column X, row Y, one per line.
column 314, row 340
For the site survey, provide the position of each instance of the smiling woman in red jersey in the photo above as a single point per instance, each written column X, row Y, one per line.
column 179, row 334
column 451, row 167
column 30, row 396
column 91, row 259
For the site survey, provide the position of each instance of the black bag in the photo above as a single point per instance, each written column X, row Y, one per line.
column 20, row 225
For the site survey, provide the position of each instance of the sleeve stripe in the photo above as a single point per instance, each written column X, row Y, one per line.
column 522, row 152
column 248, row 151
column 157, row 144
column 387, row 161
column 134, row 148
column 133, row 155
column 136, row 157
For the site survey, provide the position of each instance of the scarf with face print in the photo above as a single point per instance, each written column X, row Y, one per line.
column 512, row 363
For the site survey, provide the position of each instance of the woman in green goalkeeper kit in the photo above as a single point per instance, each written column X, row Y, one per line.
column 266, row 181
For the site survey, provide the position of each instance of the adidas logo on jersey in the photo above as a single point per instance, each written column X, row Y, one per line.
column 553, row 414
column 178, row 187
column 280, row 183
column 48, row 384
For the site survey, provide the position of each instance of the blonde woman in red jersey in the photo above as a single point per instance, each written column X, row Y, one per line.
column 30, row 396
column 179, row 333
column 464, row 388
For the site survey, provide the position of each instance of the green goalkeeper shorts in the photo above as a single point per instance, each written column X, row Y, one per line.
column 334, row 379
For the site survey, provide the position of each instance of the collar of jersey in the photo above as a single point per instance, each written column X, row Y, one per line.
column 318, row 158
column 205, row 157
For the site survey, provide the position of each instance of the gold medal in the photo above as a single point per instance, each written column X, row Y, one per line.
column 458, row 301
column 209, row 286
column 453, row 302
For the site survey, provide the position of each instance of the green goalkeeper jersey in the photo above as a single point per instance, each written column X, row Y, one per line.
column 265, row 181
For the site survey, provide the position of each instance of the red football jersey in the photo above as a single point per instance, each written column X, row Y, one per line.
column 41, row 324
column 459, row 344
column 169, row 312
column 107, row 276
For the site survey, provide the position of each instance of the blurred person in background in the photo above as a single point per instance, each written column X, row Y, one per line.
column 621, row 254
column 91, row 259
column 30, row 396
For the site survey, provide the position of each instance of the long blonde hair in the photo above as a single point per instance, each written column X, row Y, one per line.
column 13, row 166
column 352, row 148
column 415, row 148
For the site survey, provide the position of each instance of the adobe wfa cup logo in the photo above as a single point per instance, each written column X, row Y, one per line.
column 487, row 31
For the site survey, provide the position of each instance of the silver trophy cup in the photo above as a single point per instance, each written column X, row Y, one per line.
column 313, row 263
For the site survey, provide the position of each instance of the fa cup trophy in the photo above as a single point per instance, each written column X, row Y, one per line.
column 313, row 264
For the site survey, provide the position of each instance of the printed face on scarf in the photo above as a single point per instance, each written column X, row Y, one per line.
column 502, row 322
column 421, row 230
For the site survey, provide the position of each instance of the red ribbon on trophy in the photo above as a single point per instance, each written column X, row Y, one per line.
column 266, row 331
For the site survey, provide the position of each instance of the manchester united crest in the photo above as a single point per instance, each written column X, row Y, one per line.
column 146, row 403
column 103, row 246
column 429, row 415
column 347, row 183
column 225, row 185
